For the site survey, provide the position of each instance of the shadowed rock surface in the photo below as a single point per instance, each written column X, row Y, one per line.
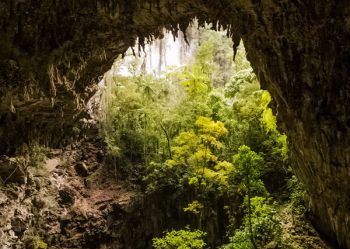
column 53, row 52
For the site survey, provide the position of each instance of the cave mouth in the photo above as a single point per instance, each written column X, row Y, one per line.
column 298, row 50
column 173, row 102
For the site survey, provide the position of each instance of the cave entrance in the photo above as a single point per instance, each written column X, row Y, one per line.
column 192, row 127
column 197, row 75
column 299, row 49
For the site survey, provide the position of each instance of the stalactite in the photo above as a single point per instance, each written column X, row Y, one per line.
column 150, row 5
column 183, row 27
column 141, row 43
column 133, row 51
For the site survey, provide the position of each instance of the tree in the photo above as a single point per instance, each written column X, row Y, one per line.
column 184, row 128
column 265, row 224
column 196, row 83
column 249, row 164
column 196, row 150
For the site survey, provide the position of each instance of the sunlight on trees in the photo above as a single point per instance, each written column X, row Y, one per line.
column 205, row 133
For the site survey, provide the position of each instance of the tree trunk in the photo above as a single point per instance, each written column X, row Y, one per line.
column 168, row 140
column 251, row 235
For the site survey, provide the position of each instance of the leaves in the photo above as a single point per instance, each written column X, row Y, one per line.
column 194, row 207
column 197, row 151
column 248, row 163
column 265, row 225
column 201, row 141
column 181, row 239
column 195, row 82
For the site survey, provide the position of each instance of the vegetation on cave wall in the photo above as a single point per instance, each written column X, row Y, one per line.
column 206, row 134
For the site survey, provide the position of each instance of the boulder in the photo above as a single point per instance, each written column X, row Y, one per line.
column 81, row 169
column 66, row 196
column 18, row 226
column 11, row 170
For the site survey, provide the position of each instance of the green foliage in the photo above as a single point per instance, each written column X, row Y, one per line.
column 265, row 226
column 248, row 162
column 251, row 122
column 195, row 82
column 160, row 176
column 194, row 207
column 215, row 56
column 240, row 81
column 204, row 131
column 268, row 119
column 38, row 243
column 239, row 241
column 134, row 109
column 265, row 221
column 37, row 155
column 297, row 196
column 181, row 239
column 197, row 151
column 249, row 167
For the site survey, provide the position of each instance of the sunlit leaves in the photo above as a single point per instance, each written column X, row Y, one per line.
column 194, row 207
column 200, row 141
column 224, row 169
column 181, row 239
column 195, row 81
column 239, row 80
column 197, row 151
column 248, row 163
column 268, row 119
column 211, row 130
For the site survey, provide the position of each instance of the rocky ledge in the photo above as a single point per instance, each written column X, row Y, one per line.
column 65, row 203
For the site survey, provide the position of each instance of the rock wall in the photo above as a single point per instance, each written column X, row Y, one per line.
column 302, row 59
column 52, row 53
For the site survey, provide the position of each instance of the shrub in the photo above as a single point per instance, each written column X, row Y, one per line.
column 297, row 195
column 265, row 226
column 181, row 239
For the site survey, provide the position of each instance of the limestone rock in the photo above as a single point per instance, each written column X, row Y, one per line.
column 38, row 202
column 81, row 169
column 18, row 225
column 11, row 170
column 3, row 198
column 66, row 196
